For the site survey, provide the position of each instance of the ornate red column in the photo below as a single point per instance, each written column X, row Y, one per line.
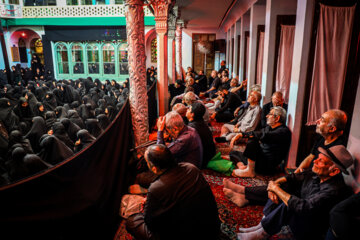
column 171, row 44
column 178, row 39
column 137, row 70
column 161, row 10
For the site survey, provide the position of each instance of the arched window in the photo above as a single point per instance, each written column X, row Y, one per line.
column 77, row 59
column 109, row 58
column 123, row 58
column 92, row 51
column 62, row 59
column 154, row 51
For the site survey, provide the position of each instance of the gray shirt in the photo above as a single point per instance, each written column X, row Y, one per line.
column 250, row 119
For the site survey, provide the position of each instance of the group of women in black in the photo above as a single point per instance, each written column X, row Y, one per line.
column 43, row 123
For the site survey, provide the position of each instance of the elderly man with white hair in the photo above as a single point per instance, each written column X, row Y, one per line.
column 186, row 144
column 266, row 148
column 190, row 98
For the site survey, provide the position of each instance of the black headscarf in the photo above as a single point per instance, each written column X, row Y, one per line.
column 75, row 118
column 71, row 128
column 60, row 132
column 53, row 150
column 104, row 121
column 84, row 112
column 37, row 111
column 85, row 139
column 16, row 168
column 7, row 115
column 17, row 137
column 50, row 102
column 60, row 112
column 58, row 96
column 93, row 126
column 111, row 113
column 50, row 119
column 34, row 164
column 31, row 100
column 38, row 129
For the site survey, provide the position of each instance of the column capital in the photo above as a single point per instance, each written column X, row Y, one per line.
column 161, row 12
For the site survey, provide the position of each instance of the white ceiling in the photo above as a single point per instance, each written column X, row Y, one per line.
column 203, row 14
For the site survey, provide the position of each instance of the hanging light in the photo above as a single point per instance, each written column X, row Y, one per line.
column 23, row 34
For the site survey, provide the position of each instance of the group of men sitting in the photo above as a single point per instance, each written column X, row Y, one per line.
column 180, row 204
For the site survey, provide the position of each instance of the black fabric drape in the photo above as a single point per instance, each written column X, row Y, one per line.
column 152, row 106
column 78, row 198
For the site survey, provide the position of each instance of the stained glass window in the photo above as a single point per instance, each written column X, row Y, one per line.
column 154, row 51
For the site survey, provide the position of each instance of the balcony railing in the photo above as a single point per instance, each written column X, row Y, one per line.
column 77, row 11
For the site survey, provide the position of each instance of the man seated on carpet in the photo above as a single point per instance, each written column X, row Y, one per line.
column 230, row 101
column 276, row 100
column 186, row 144
column 195, row 115
column 330, row 127
column 303, row 201
column 265, row 149
column 190, row 98
column 179, row 204
column 247, row 121
column 215, row 84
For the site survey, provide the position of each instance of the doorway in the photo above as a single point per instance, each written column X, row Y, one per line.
column 22, row 51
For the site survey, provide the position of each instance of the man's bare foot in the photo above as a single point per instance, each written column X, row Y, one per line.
column 233, row 186
column 237, row 198
column 244, row 173
column 240, row 165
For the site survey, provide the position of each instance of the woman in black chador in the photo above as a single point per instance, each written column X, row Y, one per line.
column 104, row 121
column 93, row 126
column 38, row 129
column 53, row 150
column 58, row 130
column 75, row 118
column 35, row 63
column 84, row 139
column 50, row 102
column 71, row 128
column 7, row 115
column 60, row 112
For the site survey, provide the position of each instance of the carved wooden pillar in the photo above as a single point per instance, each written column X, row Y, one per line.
column 171, row 44
column 178, row 37
column 161, row 10
column 137, row 70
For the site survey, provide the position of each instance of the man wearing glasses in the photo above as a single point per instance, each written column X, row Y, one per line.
column 268, row 147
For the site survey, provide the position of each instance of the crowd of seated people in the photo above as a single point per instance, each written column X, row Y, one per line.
column 301, row 200
column 40, row 118
column 44, row 122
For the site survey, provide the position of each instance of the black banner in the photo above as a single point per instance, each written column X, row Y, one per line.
column 91, row 33
column 77, row 199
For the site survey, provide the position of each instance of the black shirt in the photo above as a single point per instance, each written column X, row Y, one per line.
column 180, row 205
column 206, row 137
column 313, row 200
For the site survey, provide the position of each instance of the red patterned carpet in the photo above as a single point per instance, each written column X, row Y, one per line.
column 231, row 216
